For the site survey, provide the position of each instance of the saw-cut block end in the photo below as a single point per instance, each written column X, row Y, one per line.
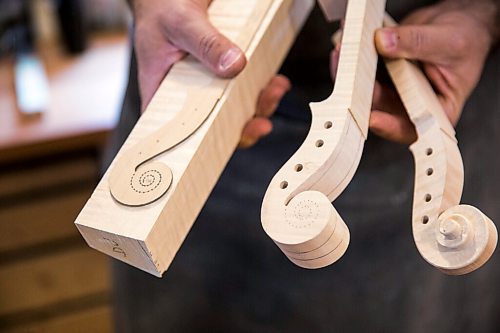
column 309, row 231
column 464, row 240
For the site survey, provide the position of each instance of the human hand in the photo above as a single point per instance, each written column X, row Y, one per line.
column 166, row 30
column 452, row 40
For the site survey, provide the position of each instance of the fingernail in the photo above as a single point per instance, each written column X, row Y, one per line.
column 229, row 58
column 389, row 40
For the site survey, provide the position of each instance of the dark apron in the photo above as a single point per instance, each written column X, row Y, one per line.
column 230, row 277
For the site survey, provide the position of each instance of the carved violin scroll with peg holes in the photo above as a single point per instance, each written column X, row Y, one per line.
column 457, row 239
column 296, row 211
column 145, row 205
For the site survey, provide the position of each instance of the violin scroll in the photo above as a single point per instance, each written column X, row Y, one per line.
column 309, row 230
column 456, row 239
column 462, row 240
column 296, row 211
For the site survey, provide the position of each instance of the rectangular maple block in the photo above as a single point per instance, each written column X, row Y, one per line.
column 148, row 237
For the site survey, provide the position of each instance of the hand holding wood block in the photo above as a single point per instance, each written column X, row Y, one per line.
column 146, row 203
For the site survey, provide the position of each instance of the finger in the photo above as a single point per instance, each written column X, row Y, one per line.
column 191, row 31
column 387, row 99
column 271, row 95
column 155, row 57
column 254, row 130
column 428, row 43
column 392, row 127
column 393, row 122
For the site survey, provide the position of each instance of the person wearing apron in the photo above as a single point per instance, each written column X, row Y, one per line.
column 230, row 277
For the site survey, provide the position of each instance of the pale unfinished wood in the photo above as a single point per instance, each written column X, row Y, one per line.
column 455, row 238
column 134, row 181
column 149, row 236
column 297, row 212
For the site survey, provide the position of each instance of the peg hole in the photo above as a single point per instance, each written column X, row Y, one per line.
column 299, row 167
column 320, row 143
column 157, row 141
column 429, row 151
column 428, row 198
column 425, row 219
column 430, row 171
column 284, row 185
column 328, row 125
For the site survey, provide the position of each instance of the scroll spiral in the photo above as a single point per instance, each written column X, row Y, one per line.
column 147, row 183
column 137, row 178
column 456, row 239
column 296, row 211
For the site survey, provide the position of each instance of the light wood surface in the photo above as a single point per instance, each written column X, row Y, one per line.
column 150, row 235
column 297, row 212
column 455, row 238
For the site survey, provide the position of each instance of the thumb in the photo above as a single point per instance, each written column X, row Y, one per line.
column 427, row 43
column 201, row 39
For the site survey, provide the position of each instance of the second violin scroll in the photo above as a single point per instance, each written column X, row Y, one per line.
column 296, row 211
column 456, row 239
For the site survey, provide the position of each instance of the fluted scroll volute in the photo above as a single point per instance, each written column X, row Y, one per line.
column 457, row 239
column 296, row 211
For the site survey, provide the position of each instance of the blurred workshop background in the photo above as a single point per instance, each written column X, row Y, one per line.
column 63, row 66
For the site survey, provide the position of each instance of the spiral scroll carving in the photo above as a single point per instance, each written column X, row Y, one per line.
column 465, row 238
column 146, row 184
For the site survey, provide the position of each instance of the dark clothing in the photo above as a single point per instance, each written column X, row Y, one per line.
column 230, row 277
